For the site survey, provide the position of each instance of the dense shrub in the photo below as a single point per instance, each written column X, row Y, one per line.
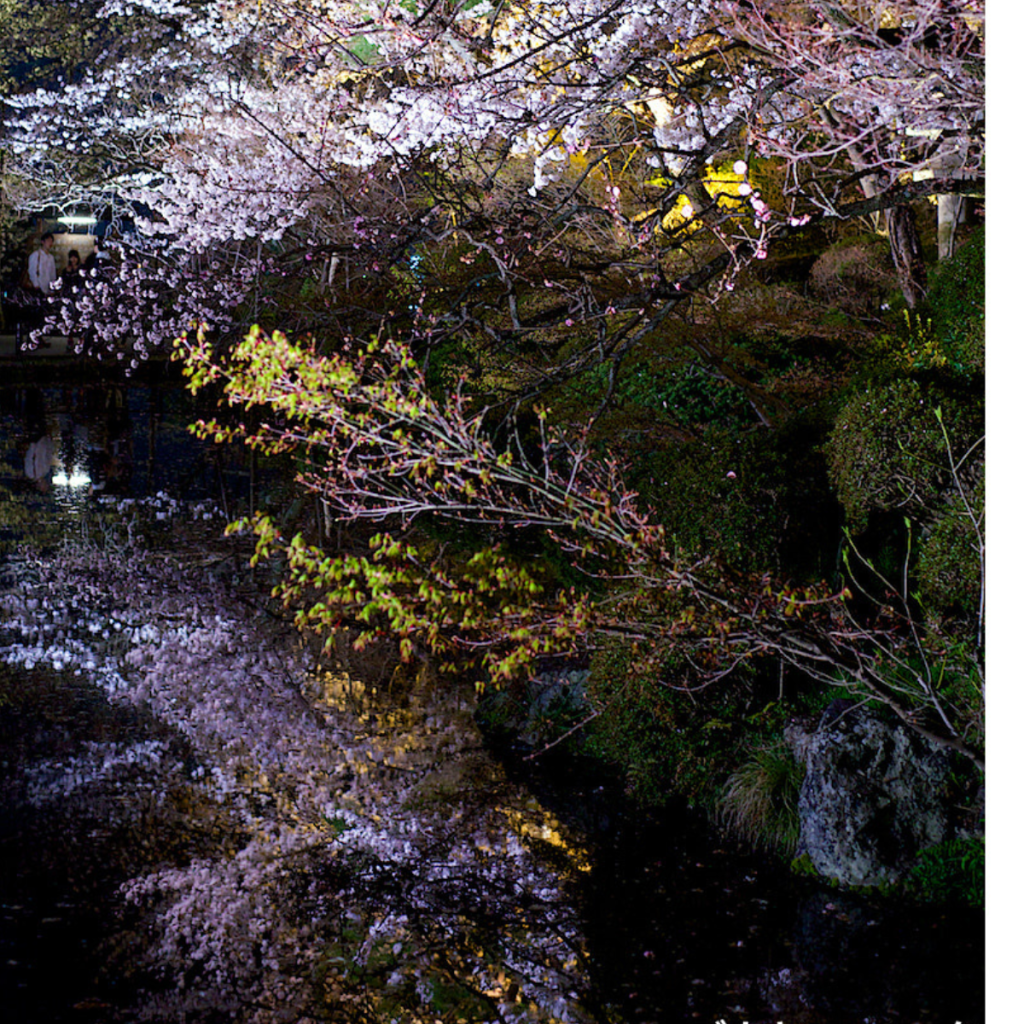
column 639, row 733
column 888, row 449
column 952, row 872
column 688, row 392
column 668, row 741
column 757, row 501
column 949, row 567
column 957, row 301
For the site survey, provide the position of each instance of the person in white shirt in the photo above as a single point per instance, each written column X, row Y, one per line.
column 42, row 268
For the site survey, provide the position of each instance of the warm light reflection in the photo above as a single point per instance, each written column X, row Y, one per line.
column 540, row 825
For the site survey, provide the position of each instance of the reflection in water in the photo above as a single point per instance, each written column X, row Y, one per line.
column 75, row 481
column 64, row 447
column 75, row 438
column 39, row 460
column 352, row 848
column 239, row 837
column 340, row 846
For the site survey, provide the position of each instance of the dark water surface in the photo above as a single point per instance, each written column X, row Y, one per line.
column 683, row 926
column 71, row 431
column 674, row 924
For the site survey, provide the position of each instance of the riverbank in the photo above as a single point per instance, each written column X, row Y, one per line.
column 235, row 835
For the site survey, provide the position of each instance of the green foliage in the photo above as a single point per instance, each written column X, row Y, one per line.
column 446, row 364
column 952, row 872
column 759, row 804
column 419, row 597
column 376, row 446
column 669, row 740
column 957, row 300
column 639, row 732
column 960, row 687
column 682, row 389
column 41, row 41
column 949, row 565
column 920, row 348
column 757, row 501
column 803, row 867
column 937, row 673
column 889, row 450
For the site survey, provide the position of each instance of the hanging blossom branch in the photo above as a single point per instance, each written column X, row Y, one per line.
column 378, row 447
column 135, row 306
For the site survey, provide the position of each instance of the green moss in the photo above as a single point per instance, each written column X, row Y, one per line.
column 952, row 872
column 803, row 867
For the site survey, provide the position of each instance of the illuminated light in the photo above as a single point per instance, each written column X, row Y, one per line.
column 78, row 478
column 78, row 220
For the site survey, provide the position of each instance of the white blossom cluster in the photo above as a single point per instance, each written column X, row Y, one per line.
column 162, row 506
column 233, row 124
column 239, row 125
column 131, row 308
column 241, row 156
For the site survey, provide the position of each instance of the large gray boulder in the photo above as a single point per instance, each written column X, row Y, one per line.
column 872, row 796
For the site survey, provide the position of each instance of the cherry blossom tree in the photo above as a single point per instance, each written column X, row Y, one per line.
column 880, row 95
column 503, row 149
column 548, row 186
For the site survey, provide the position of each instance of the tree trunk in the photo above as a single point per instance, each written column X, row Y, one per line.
column 950, row 215
column 950, row 207
column 905, row 246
